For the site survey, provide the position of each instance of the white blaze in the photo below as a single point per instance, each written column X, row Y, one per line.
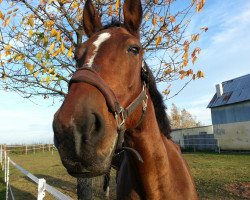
column 101, row 38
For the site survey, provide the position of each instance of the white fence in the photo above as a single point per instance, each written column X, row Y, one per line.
column 42, row 186
column 26, row 149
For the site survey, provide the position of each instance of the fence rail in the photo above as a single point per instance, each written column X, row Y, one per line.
column 199, row 143
column 42, row 186
column 25, row 149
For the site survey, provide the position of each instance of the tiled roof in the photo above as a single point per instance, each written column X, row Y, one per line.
column 234, row 91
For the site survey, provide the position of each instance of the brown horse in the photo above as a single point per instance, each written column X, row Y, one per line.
column 112, row 98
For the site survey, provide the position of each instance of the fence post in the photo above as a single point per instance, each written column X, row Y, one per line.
column 43, row 147
column 7, row 178
column 41, row 188
column 5, row 166
column 52, row 151
column 49, row 147
column 3, row 160
column 1, row 155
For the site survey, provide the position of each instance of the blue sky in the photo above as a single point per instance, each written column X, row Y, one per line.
column 225, row 52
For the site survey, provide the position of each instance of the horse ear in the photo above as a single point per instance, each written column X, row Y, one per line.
column 132, row 11
column 91, row 20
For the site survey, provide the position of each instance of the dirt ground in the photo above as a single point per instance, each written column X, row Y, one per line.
column 239, row 189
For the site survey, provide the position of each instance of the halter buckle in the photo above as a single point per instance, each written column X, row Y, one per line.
column 120, row 118
column 145, row 101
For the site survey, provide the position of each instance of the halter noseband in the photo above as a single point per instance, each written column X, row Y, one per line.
column 90, row 76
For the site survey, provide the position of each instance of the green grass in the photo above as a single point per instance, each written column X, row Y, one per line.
column 212, row 173
column 2, row 185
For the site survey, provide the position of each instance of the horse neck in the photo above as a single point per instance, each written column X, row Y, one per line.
column 164, row 174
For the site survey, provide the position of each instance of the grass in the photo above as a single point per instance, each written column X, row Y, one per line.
column 2, row 185
column 212, row 173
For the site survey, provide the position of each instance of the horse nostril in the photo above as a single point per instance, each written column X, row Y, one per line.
column 91, row 129
column 97, row 123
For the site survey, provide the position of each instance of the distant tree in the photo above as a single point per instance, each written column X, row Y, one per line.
column 182, row 118
column 38, row 39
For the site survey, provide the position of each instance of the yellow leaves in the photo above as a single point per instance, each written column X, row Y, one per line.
column 19, row 57
column 7, row 49
column 58, row 36
column 110, row 9
column 168, row 71
column 47, row 80
column 186, row 46
column 1, row 15
column 4, row 76
column 75, row 4
column 36, row 74
column 53, row 32
column 62, row 48
column 167, row 90
column 199, row 5
column 43, row 2
column 70, row 52
column 200, row 74
column 30, row 33
column 195, row 37
column 117, row 5
column 193, row 55
column 54, row 76
column 39, row 56
column 189, row 72
column 56, row 52
column 154, row 21
column 147, row 16
column 51, row 70
column 158, row 40
column 49, row 24
column 176, row 29
column 194, row 59
column 184, row 74
column 51, row 47
column 171, row 18
column 31, row 21
column 185, row 56
column 29, row 66
column 45, row 41
column 6, row 22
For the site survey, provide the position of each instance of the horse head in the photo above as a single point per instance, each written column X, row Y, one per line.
column 108, row 79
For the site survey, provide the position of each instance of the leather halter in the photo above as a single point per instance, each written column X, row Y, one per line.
column 90, row 76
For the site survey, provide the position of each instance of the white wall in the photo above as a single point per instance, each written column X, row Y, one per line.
column 178, row 134
column 233, row 136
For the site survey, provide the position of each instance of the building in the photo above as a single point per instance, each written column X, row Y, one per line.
column 199, row 138
column 230, row 110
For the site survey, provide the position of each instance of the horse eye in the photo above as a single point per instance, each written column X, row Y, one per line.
column 134, row 50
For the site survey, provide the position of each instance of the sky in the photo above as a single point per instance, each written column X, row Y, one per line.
column 224, row 56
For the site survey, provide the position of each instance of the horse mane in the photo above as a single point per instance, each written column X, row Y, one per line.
column 160, row 108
